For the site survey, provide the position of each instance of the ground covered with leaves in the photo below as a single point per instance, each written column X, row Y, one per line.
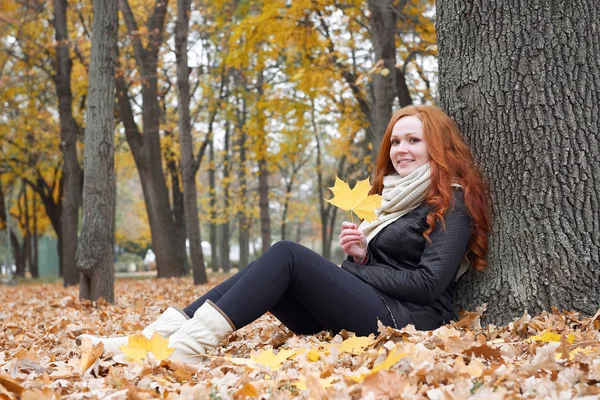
column 555, row 356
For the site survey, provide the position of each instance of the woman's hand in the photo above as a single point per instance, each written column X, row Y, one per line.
column 353, row 242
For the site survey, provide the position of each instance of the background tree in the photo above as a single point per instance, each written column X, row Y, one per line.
column 168, row 241
column 523, row 83
column 188, row 167
column 71, row 171
column 95, row 250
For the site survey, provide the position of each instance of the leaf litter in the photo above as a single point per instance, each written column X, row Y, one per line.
column 553, row 355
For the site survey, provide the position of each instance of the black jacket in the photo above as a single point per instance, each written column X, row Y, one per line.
column 415, row 278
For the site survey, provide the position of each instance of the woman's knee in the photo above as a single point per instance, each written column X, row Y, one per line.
column 285, row 246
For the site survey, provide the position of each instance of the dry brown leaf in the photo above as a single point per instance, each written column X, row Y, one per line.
column 484, row 351
column 245, row 391
column 12, row 385
column 89, row 355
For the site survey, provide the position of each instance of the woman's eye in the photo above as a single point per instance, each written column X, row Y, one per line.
column 414, row 140
column 395, row 142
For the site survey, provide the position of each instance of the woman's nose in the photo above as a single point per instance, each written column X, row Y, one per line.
column 401, row 148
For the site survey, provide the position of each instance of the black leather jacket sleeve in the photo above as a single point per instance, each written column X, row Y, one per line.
column 436, row 269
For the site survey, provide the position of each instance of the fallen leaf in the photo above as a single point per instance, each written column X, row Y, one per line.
column 11, row 385
column 245, row 391
column 550, row 336
column 395, row 355
column 313, row 355
column 355, row 345
column 325, row 382
column 139, row 346
column 484, row 351
column 89, row 355
column 271, row 360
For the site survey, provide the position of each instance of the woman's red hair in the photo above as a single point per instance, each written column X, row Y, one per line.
column 451, row 162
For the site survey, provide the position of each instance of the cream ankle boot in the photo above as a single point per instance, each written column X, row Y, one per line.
column 166, row 324
column 200, row 334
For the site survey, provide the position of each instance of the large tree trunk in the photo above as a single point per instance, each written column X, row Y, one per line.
column 95, row 251
column 523, row 83
column 192, row 222
column 166, row 240
column 71, row 190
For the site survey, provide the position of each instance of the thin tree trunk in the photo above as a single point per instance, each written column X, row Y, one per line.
column 95, row 250
column 28, row 236
column 35, row 271
column 192, row 222
column 224, row 227
column 263, row 175
column 214, row 248
column 523, row 84
column 71, row 190
column 263, row 194
column 243, row 214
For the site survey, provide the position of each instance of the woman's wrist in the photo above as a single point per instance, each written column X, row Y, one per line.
column 365, row 259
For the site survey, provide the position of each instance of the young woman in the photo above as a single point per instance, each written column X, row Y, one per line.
column 401, row 268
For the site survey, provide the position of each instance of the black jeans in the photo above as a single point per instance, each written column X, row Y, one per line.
column 304, row 290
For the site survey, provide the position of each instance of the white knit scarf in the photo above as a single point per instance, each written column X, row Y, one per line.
column 400, row 196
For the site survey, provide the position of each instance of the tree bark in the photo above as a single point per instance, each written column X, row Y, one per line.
column 71, row 190
column 95, row 250
column 170, row 260
column 382, row 24
column 192, row 222
column 522, row 80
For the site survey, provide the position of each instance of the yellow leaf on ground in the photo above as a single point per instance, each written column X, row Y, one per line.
column 355, row 345
column 139, row 346
column 357, row 199
column 269, row 359
column 548, row 337
column 301, row 382
column 392, row 358
column 313, row 355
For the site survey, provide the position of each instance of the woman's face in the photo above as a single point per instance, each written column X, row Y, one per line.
column 408, row 149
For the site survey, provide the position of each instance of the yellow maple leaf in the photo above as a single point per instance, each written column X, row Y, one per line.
column 355, row 345
column 269, row 359
column 325, row 382
column 395, row 355
column 548, row 337
column 357, row 199
column 139, row 346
